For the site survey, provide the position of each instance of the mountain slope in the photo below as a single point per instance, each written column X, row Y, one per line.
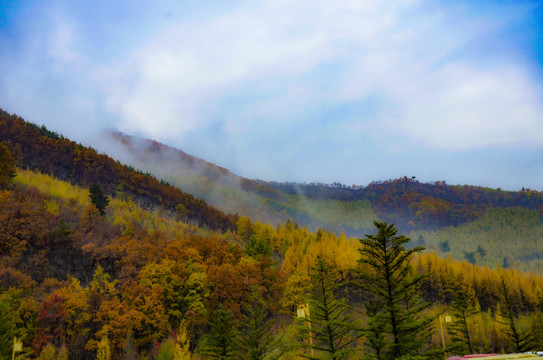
column 464, row 217
column 408, row 203
column 235, row 194
column 37, row 148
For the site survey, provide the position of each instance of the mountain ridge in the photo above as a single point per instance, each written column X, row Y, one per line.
column 38, row 148
column 408, row 203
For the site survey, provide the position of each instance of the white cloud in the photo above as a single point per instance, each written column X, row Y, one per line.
column 257, row 69
column 462, row 107
column 269, row 50
column 272, row 59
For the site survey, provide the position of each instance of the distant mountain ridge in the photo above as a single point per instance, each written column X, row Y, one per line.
column 408, row 203
column 473, row 223
column 142, row 148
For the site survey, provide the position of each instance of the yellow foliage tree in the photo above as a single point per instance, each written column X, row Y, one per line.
column 104, row 351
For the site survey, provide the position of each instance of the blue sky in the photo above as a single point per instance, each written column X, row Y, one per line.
column 347, row 91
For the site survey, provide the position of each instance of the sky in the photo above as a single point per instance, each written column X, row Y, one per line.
column 292, row 90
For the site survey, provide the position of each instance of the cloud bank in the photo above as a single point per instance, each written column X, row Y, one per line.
column 261, row 87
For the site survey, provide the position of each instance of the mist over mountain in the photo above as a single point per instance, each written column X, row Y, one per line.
column 448, row 219
column 405, row 201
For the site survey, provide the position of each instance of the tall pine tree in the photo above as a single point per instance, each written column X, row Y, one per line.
column 508, row 313
column 397, row 308
column 7, row 330
column 331, row 328
column 257, row 340
column 462, row 309
column 220, row 341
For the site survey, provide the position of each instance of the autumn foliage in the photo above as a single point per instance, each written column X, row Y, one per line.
column 150, row 279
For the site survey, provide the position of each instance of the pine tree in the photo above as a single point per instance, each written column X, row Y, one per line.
column 7, row 330
column 257, row 340
column 390, row 279
column 331, row 328
column 444, row 246
column 98, row 199
column 536, row 332
column 48, row 353
column 219, row 342
column 104, row 351
column 182, row 347
column 461, row 310
column 166, row 350
column 7, row 166
column 508, row 314
column 375, row 327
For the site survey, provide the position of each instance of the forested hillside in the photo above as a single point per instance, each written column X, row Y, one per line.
column 40, row 149
column 510, row 237
column 408, row 203
column 411, row 204
column 487, row 226
column 140, row 282
column 235, row 194
column 100, row 261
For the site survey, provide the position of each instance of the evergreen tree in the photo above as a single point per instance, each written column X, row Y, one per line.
column 7, row 331
column 48, row 353
column 98, row 199
column 331, row 328
column 508, row 314
column 461, row 310
column 166, row 350
column 470, row 257
column 536, row 332
column 389, row 278
column 481, row 251
column 219, row 342
column 7, row 166
column 375, row 339
column 104, row 351
column 444, row 246
column 257, row 340
column 257, row 246
column 421, row 241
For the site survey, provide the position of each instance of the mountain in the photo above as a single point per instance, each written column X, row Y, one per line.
column 453, row 220
column 482, row 225
column 159, row 265
column 40, row 149
column 235, row 194
column 408, row 203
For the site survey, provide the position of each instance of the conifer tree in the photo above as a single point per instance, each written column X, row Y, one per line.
column 48, row 353
column 389, row 277
column 536, row 332
column 257, row 340
column 182, row 347
column 104, row 351
column 7, row 166
column 98, row 198
column 508, row 314
column 219, row 342
column 7, row 330
column 375, row 327
column 331, row 328
column 461, row 310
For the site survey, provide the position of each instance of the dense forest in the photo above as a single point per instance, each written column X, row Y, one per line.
column 481, row 225
column 122, row 266
column 40, row 149
column 415, row 205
